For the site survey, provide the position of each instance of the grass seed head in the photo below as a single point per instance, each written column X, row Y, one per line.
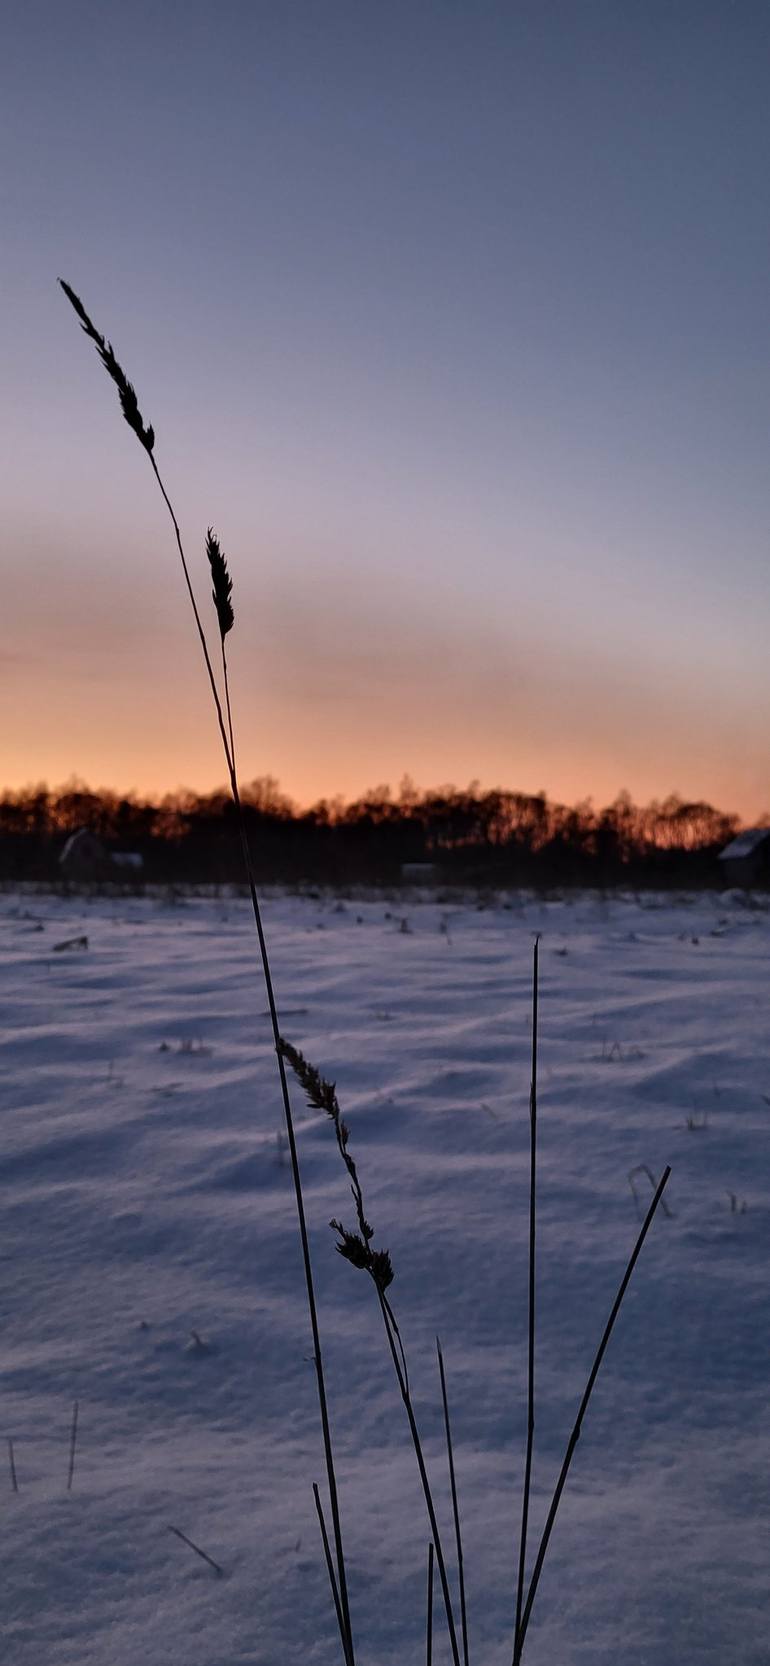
column 223, row 584
column 381, row 1269
column 376, row 1263
column 355, row 1247
column 351, row 1247
column 128, row 400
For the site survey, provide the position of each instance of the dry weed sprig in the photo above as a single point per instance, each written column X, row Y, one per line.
column 353, row 1246
column 356, row 1248
column 129, row 403
column 146, row 436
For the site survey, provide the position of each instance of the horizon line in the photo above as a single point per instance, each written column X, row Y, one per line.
column 408, row 791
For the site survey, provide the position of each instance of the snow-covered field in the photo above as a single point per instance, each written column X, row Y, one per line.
column 147, row 1202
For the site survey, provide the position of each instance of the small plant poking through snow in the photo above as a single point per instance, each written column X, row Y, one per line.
column 736, row 1207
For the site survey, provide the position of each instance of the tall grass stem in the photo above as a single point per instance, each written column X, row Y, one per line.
column 146, row 436
column 455, row 1505
column 517, row 1643
column 429, row 1612
column 426, row 1487
column 226, row 681
column 575, row 1435
column 330, row 1567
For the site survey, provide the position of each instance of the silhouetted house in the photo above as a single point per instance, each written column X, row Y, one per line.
column 746, row 860
column 83, row 856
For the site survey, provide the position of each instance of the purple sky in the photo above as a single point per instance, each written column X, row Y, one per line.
column 453, row 319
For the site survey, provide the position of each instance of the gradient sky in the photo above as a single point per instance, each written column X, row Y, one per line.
column 453, row 319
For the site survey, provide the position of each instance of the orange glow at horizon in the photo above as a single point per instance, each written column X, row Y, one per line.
column 335, row 699
column 562, row 781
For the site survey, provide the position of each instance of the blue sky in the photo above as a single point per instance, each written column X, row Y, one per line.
column 453, row 319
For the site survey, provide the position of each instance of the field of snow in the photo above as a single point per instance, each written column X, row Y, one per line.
column 151, row 1271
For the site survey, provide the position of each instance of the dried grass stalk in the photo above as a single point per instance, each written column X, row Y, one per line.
column 223, row 603
column 356, row 1247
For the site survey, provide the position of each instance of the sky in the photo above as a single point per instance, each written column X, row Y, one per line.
column 452, row 319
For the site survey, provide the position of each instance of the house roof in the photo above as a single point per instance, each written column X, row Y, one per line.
column 745, row 844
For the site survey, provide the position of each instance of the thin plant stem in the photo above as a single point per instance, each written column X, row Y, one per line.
column 356, row 1247
column 73, row 1443
column 226, row 681
column 318, row 1359
column 330, row 1566
column 575, row 1436
column 531, row 1313
column 426, row 1487
column 197, row 617
column 429, row 1620
column 455, row 1506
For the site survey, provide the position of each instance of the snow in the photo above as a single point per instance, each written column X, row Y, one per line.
column 152, row 1273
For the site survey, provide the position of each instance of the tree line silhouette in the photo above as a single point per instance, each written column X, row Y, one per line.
column 470, row 835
